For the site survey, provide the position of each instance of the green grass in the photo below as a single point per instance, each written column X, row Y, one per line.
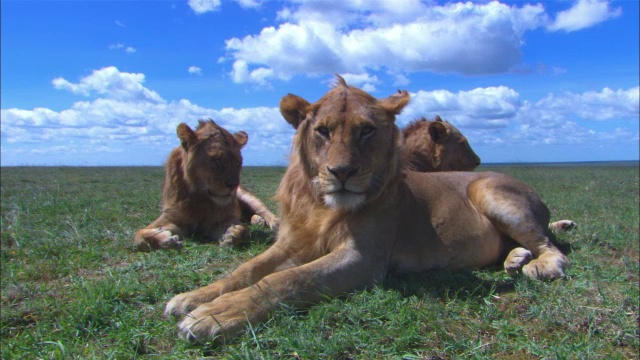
column 72, row 286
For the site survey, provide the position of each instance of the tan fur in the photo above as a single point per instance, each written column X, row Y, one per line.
column 350, row 215
column 436, row 145
column 201, row 191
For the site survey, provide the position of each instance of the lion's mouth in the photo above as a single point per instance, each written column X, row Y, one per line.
column 344, row 191
column 221, row 199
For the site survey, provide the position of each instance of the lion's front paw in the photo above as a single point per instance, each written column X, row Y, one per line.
column 184, row 303
column 203, row 325
column 219, row 320
column 235, row 235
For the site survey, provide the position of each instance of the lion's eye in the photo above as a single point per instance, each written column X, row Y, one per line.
column 323, row 131
column 367, row 131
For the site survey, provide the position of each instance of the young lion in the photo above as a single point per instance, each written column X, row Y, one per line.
column 201, row 191
column 436, row 145
column 350, row 215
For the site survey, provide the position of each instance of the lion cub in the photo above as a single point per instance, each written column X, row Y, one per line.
column 350, row 215
column 202, row 193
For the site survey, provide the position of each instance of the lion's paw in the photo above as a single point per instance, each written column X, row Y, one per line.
column 516, row 259
column 172, row 242
column 212, row 322
column 563, row 225
column 182, row 304
column 235, row 235
column 258, row 220
column 546, row 267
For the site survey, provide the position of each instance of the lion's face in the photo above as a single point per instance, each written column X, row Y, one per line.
column 437, row 146
column 213, row 160
column 346, row 142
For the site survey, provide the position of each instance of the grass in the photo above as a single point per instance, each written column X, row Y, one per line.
column 72, row 286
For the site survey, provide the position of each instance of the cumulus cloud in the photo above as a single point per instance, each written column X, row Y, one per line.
column 487, row 108
column 112, row 83
column 357, row 37
column 584, row 14
column 124, row 113
column 121, row 113
column 601, row 105
column 496, row 116
column 194, row 70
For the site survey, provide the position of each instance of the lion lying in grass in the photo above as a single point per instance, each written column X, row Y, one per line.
column 349, row 216
column 436, row 145
column 202, row 193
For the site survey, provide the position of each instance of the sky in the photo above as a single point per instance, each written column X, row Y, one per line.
column 101, row 83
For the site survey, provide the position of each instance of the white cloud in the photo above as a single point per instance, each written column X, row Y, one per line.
column 195, row 70
column 365, row 81
column 554, row 110
column 584, row 14
column 204, row 6
column 249, row 4
column 119, row 46
column 567, row 118
column 123, row 114
column 127, row 114
column 120, row 24
column 112, row 83
column 356, row 37
column 488, row 108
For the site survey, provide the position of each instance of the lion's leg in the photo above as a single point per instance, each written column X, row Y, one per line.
column 331, row 275
column 259, row 212
column 518, row 213
column 528, row 231
column 249, row 273
column 159, row 235
column 562, row 225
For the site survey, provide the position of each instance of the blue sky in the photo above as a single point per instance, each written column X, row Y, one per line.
column 107, row 82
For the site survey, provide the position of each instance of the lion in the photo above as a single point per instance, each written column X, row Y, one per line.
column 437, row 145
column 349, row 215
column 201, row 192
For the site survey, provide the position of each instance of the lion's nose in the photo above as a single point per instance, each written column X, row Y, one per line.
column 232, row 183
column 342, row 173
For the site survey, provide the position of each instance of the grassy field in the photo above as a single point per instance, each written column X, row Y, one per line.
column 72, row 286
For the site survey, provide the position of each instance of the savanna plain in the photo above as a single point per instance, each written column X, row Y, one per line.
column 72, row 286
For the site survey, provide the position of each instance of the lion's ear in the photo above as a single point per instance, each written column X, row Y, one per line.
column 396, row 102
column 241, row 137
column 294, row 109
column 438, row 131
column 186, row 135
